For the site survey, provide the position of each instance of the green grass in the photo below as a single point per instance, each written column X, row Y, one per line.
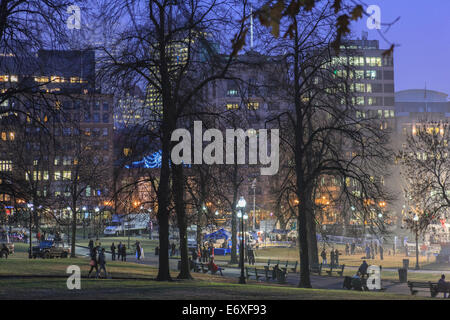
column 148, row 245
column 177, row 290
column 204, row 286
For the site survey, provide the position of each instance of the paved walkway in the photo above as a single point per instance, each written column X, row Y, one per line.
column 318, row 282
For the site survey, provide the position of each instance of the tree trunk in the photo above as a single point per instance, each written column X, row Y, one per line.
column 74, row 229
column 312, row 232
column 178, row 194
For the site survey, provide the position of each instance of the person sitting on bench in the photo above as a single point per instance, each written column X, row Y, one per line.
column 214, row 267
column 443, row 285
column 363, row 269
column 274, row 271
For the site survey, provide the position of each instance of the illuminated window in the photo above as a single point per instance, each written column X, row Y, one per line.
column 5, row 165
column 12, row 136
column 46, row 175
column 67, row 175
column 57, row 175
column 57, row 79
column 126, row 151
column 14, row 78
column 232, row 106
column 253, row 105
column 41, row 79
column 4, row 78
column 4, row 136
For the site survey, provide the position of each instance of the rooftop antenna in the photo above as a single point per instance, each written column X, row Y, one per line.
column 251, row 27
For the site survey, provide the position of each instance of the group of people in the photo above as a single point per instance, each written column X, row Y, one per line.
column 121, row 252
column 334, row 256
column 372, row 249
column 196, row 258
column 98, row 260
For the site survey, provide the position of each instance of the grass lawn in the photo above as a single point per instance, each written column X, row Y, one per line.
column 177, row 290
column 262, row 255
column 148, row 245
column 203, row 287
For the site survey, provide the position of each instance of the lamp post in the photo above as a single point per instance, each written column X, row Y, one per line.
column 30, row 209
column 416, row 229
column 241, row 205
column 254, row 203
column 84, row 221
column 97, row 209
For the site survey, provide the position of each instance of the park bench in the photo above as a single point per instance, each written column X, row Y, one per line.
column 291, row 266
column 316, row 268
column 432, row 286
column 280, row 276
column 252, row 272
column 271, row 262
column 339, row 269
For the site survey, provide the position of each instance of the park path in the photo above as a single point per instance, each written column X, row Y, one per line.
column 292, row 279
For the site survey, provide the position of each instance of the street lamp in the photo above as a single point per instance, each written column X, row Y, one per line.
column 241, row 205
column 416, row 228
column 30, row 209
column 96, row 209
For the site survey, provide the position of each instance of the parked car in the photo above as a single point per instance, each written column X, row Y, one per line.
column 50, row 249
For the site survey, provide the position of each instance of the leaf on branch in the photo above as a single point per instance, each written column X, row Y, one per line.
column 264, row 15
column 308, row 4
column 342, row 25
column 388, row 52
column 293, row 9
column 337, row 5
column 357, row 12
column 238, row 42
column 290, row 31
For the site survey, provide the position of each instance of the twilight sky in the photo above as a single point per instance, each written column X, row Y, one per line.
column 423, row 33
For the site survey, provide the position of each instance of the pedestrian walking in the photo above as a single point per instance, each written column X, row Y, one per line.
column 91, row 245
column 336, row 256
column 102, row 263
column 381, row 252
column 353, row 247
column 367, row 251
column 138, row 250
column 323, row 254
column 142, row 251
column 347, row 249
column 93, row 262
column 332, row 256
column 119, row 250
column 124, row 252
column 113, row 252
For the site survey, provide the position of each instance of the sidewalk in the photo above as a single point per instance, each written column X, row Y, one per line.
column 292, row 279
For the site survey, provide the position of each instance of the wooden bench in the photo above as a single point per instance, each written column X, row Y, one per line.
column 281, row 276
column 269, row 262
column 252, row 272
column 289, row 266
column 432, row 286
column 316, row 268
column 339, row 269
column 272, row 262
